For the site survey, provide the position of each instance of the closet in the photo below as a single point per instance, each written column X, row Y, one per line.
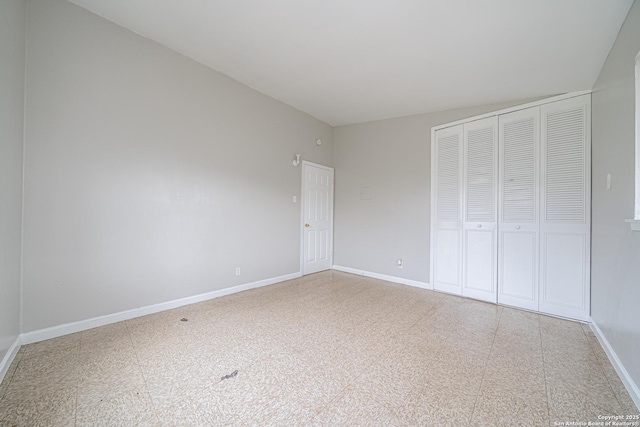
column 510, row 197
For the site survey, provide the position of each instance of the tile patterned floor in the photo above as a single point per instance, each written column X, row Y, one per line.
column 324, row 350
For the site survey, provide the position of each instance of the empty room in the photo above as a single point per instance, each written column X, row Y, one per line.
column 331, row 213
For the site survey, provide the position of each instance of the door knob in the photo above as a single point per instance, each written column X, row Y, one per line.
column 306, row 225
column 479, row 225
column 517, row 227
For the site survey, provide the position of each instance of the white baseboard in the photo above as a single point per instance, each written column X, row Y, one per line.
column 83, row 325
column 415, row 283
column 628, row 382
column 8, row 357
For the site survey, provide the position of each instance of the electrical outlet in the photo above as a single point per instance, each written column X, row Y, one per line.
column 399, row 263
column 237, row 271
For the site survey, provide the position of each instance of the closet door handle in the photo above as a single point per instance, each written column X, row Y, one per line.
column 517, row 227
column 479, row 225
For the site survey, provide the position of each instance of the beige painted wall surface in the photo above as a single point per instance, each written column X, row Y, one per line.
column 615, row 251
column 393, row 159
column 12, row 51
column 149, row 177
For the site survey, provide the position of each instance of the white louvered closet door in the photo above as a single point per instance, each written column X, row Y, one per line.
column 479, row 255
column 565, row 203
column 446, row 240
column 519, row 227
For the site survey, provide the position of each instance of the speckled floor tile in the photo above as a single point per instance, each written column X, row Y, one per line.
column 48, row 372
column 39, row 408
column 577, row 387
column 442, row 316
column 576, row 369
column 626, row 403
column 560, row 334
column 4, row 385
column 326, row 349
column 104, row 377
column 441, row 406
column 159, row 317
column 570, row 403
column 511, row 405
column 354, row 407
column 502, row 374
column 396, row 373
column 563, row 344
column 463, row 339
column 275, row 391
column 105, row 340
column 9, row 375
column 124, row 408
column 450, row 366
column 196, row 408
column 55, row 344
column 355, row 357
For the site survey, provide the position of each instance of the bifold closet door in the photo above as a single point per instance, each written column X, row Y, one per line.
column 565, row 208
column 479, row 252
column 446, row 241
column 518, row 228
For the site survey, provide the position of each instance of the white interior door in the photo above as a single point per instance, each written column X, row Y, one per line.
column 565, row 201
column 479, row 252
column 317, row 218
column 446, row 240
column 519, row 226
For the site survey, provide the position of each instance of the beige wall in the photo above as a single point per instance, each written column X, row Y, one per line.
column 148, row 176
column 394, row 158
column 615, row 253
column 12, row 51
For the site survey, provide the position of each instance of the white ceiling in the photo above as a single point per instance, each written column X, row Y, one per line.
column 349, row 61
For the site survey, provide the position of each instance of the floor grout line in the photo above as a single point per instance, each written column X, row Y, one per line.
column 144, row 377
column 595, row 355
column 75, row 418
column 486, row 366
column 544, row 372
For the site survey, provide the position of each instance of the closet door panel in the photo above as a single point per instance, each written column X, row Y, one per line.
column 447, row 267
column 446, row 240
column 479, row 260
column 565, row 216
column 518, row 226
column 564, row 269
column 519, row 269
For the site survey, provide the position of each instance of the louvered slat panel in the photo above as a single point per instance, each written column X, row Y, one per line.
column 448, row 185
column 480, row 183
column 565, row 167
column 518, row 188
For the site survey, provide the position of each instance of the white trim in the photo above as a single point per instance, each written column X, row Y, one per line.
column 628, row 382
column 432, row 217
column 402, row 281
column 512, row 109
column 82, row 325
column 6, row 361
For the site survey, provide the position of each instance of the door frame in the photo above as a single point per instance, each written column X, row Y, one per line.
column 306, row 163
